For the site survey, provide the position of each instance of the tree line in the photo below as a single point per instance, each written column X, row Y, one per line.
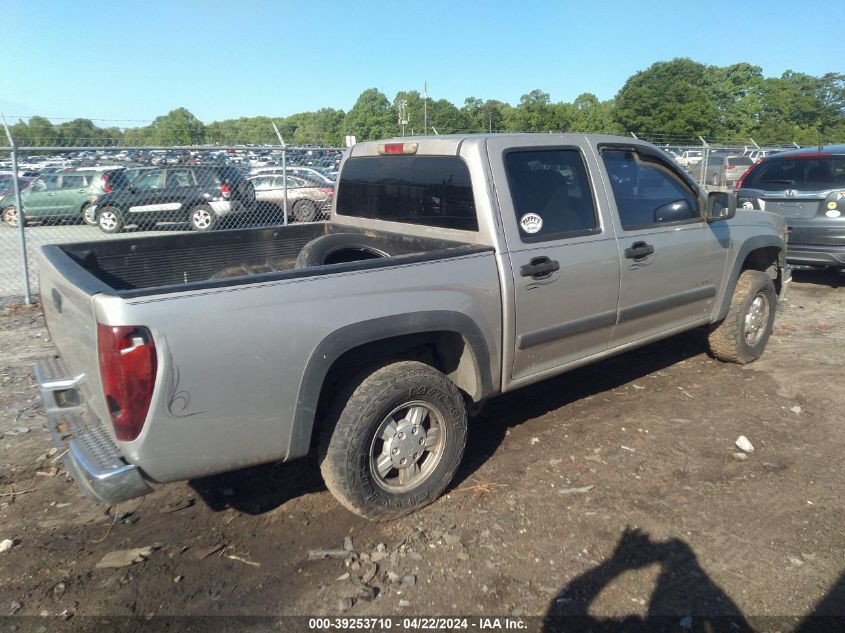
column 670, row 101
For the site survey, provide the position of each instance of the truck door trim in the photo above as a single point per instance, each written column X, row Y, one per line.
column 570, row 328
column 639, row 310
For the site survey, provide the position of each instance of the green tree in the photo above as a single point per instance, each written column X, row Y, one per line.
column 371, row 117
column 178, row 127
column 670, row 99
column 592, row 115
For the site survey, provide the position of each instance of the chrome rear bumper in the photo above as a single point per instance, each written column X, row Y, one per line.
column 87, row 449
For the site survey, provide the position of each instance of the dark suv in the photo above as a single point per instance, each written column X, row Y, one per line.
column 807, row 187
column 198, row 194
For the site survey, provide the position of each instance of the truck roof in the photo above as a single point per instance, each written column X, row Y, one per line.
column 450, row 144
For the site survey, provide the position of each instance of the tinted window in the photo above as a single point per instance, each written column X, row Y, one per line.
column 647, row 192
column 73, row 182
column 551, row 193
column 430, row 190
column 149, row 180
column 180, row 178
column 806, row 174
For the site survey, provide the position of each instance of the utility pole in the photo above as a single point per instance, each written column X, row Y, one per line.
column 403, row 115
column 425, row 108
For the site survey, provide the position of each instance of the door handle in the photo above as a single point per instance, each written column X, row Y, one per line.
column 639, row 250
column 539, row 267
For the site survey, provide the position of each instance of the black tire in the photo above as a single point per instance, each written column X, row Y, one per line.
column 202, row 218
column 335, row 248
column 110, row 220
column 739, row 337
column 305, row 211
column 87, row 218
column 353, row 446
column 11, row 216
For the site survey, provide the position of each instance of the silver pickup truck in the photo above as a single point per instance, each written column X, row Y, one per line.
column 454, row 268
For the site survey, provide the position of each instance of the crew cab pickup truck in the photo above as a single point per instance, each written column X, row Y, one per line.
column 454, row 268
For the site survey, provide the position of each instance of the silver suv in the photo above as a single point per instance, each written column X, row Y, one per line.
column 807, row 187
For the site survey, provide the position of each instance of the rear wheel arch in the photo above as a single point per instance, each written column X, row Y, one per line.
column 448, row 341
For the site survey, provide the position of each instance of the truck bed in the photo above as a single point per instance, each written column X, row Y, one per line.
column 151, row 265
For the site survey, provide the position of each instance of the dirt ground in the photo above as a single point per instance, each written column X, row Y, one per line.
column 612, row 492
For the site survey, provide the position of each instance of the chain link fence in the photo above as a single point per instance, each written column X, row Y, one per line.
column 86, row 193
column 82, row 193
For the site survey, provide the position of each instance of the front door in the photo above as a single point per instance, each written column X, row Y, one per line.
column 563, row 255
column 672, row 259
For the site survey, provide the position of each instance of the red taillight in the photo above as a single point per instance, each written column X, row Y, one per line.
column 105, row 184
column 747, row 171
column 128, row 370
column 225, row 191
column 398, row 148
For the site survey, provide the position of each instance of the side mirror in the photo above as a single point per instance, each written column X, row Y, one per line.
column 673, row 212
column 721, row 205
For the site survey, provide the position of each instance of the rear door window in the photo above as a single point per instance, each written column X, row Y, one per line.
column 76, row 181
column 428, row 190
column 551, row 194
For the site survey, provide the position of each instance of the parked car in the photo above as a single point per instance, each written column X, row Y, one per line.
column 198, row 194
column 62, row 196
column 807, row 187
column 307, row 201
column 453, row 269
column 724, row 170
column 317, row 175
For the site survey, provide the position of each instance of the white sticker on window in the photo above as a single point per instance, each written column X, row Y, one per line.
column 531, row 223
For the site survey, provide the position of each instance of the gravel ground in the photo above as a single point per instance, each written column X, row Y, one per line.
column 612, row 492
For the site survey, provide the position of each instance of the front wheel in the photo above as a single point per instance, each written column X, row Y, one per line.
column 202, row 218
column 110, row 220
column 397, row 441
column 742, row 336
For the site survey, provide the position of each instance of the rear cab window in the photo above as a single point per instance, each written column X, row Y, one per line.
column 429, row 190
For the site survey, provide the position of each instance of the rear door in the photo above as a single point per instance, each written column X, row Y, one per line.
column 563, row 254
column 180, row 190
column 71, row 195
column 672, row 260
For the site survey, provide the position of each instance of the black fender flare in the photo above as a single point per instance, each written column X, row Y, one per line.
column 749, row 245
column 351, row 336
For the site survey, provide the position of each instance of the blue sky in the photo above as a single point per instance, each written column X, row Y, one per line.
column 132, row 61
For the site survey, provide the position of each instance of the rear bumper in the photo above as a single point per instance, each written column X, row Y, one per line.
column 815, row 255
column 87, row 449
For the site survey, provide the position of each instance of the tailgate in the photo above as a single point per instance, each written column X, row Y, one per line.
column 67, row 299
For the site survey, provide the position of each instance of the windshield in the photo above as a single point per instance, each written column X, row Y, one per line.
column 430, row 190
column 814, row 173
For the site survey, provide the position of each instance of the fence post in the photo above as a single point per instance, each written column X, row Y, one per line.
column 704, row 160
column 21, row 233
column 284, row 171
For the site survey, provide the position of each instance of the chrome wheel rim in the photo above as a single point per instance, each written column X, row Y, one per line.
column 108, row 220
column 89, row 216
column 10, row 216
column 201, row 219
column 756, row 319
column 407, row 446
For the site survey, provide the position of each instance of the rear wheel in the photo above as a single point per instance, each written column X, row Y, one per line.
column 742, row 336
column 89, row 214
column 110, row 220
column 202, row 218
column 10, row 216
column 396, row 442
column 305, row 211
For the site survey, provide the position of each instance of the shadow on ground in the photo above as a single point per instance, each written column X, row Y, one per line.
column 684, row 598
